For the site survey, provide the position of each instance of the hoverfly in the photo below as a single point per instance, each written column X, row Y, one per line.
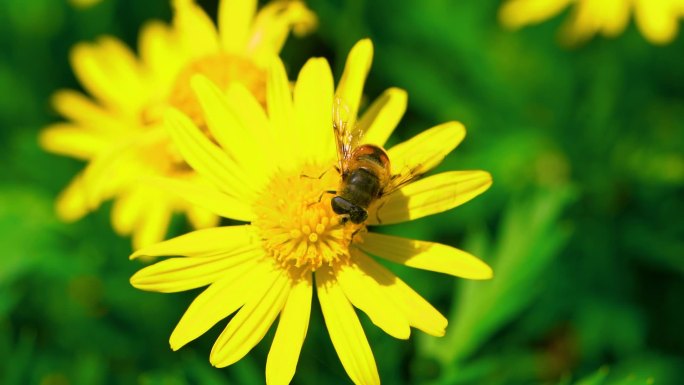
column 364, row 168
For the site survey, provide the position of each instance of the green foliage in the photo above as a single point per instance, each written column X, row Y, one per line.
column 583, row 225
column 519, row 261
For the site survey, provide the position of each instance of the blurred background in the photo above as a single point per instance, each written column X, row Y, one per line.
column 583, row 226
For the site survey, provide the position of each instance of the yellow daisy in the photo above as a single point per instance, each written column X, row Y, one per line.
column 274, row 169
column 119, row 132
column 658, row 20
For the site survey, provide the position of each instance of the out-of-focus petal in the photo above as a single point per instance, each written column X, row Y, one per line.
column 195, row 30
column 518, row 13
column 272, row 25
column 234, row 22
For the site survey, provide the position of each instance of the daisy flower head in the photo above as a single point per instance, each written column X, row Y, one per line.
column 658, row 20
column 119, row 130
column 278, row 169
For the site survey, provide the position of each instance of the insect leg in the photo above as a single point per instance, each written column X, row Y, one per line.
column 377, row 215
column 311, row 177
column 334, row 192
column 319, row 177
column 355, row 232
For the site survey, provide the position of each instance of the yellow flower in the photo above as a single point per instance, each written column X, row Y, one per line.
column 272, row 168
column 120, row 132
column 658, row 20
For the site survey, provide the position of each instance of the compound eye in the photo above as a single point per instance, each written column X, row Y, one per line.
column 340, row 205
column 358, row 216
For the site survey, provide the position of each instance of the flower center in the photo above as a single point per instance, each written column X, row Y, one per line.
column 296, row 222
column 222, row 69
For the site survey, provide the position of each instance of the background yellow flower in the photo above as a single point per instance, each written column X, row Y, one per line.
column 658, row 20
column 118, row 131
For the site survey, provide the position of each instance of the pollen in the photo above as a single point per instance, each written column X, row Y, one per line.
column 222, row 69
column 297, row 225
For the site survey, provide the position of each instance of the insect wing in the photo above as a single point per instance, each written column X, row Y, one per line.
column 409, row 165
column 347, row 137
column 404, row 177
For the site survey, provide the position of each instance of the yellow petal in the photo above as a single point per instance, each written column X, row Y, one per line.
column 204, row 243
column 119, row 166
column 350, row 88
column 345, row 330
column 232, row 130
column 195, row 29
column 658, row 21
column 518, row 13
column 427, row 149
column 201, row 218
column 234, row 21
column 159, row 54
column 218, row 301
column 608, row 17
column 429, row 196
column 281, row 111
column 71, row 204
column 415, row 308
column 272, row 25
column 251, row 323
column 313, row 102
column 252, row 117
column 154, row 221
column 90, row 74
column 618, row 17
column 290, row 334
column 206, row 158
column 426, row 255
column 185, row 273
column 364, row 293
column 127, row 208
column 110, row 71
column 249, row 112
column 382, row 117
column 206, row 197
column 90, row 116
column 113, row 171
column 68, row 139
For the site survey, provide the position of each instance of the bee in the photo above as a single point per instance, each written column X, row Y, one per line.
column 365, row 170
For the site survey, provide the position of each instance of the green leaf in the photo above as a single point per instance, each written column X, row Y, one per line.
column 598, row 378
column 531, row 236
column 26, row 230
